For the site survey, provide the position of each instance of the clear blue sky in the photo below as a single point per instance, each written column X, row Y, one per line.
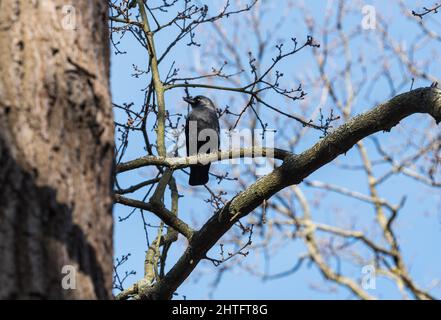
column 419, row 223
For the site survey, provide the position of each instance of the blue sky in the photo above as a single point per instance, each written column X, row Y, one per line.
column 418, row 225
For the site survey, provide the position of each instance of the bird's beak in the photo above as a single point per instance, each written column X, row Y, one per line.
column 190, row 100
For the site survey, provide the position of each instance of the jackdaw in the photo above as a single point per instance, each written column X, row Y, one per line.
column 202, row 135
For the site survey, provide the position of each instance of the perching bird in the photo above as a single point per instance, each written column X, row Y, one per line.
column 202, row 135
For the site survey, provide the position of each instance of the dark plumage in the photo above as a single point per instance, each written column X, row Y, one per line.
column 203, row 116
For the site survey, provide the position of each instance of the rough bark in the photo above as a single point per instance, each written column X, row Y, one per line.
column 56, row 150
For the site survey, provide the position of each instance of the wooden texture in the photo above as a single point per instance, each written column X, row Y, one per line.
column 56, row 149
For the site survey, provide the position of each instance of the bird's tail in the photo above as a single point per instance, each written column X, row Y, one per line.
column 199, row 175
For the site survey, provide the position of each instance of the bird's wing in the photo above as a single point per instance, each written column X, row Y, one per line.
column 205, row 119
column 211, row 120
column 187, row 141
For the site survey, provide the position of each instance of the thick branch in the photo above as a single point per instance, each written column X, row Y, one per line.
column 179, row 163
column 293, row 170
column 157, row 83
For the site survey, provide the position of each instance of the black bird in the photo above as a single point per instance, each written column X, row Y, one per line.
column 201, row 135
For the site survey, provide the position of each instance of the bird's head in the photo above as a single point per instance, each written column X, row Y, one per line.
column 200, row 101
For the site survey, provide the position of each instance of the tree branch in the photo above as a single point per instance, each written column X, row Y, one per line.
column 157, row 83
column 160, row 211
column 293, row 170
column 183, row 162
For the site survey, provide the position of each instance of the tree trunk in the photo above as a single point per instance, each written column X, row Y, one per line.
column 56, row 150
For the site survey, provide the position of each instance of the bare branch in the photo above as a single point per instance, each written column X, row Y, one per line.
column 179, row 163
column 165, row 215
column 293, row 170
